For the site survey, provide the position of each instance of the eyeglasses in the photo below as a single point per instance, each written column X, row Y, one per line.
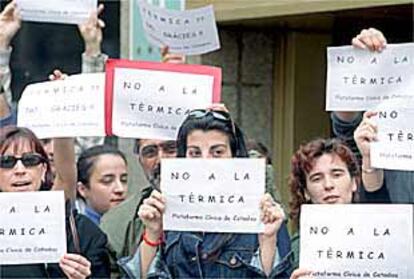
column 27, row 159
column 217, row 114
column 152, row 150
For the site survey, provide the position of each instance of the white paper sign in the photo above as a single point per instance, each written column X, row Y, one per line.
column 213, row 195
column 357, row 241
column 56, row 11
column 360, row 80
column 395, row 146
column 190, row 32
column 32, row 227
column 64, row 108
column 153, row 104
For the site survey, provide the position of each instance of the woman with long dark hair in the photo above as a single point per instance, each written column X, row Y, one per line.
column 210, row 134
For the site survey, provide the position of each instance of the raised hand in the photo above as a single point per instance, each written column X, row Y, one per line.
column 150, row 212
column 271, row 214
column 91, row 32
column 371, row 39
column 10, row 23
column 366, row 133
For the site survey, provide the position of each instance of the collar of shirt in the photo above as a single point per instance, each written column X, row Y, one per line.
column 93, row 215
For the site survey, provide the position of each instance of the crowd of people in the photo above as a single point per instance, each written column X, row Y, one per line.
column 113, row 235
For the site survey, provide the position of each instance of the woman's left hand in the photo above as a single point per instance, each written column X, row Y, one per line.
column 271, row 214
column 75, row 266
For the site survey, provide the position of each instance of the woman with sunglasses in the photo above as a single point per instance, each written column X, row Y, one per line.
column 210, row 134
column 102, row 180
column 24, row 167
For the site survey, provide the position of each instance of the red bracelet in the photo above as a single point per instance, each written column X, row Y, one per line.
column 151, row 243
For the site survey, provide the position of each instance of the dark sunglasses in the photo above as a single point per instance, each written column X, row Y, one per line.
column 217, row 114
column 27, row 159
column 152, row 150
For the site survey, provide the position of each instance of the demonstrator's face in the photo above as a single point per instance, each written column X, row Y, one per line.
column 329, row 181
column 21, row 178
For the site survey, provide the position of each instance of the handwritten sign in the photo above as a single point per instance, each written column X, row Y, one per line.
column 360, row 80
column 372, row 241
column 150, row 99
column 213, row 195
column 64, row 108
column 56, row 11
column 140, row 48
column 32, row 227
column 190, row 32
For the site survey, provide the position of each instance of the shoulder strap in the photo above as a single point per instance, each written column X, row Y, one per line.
column 74, row 231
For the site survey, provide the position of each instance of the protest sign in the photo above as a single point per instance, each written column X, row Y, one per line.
column 64, row 108
column 32, row 227
column 372, row 241
column 137, row 100
column 150, row 99
column 190, row 32
column 139, row 47
column 213, row 195
column 56, row 11
column 394, row 147
column 360, row 80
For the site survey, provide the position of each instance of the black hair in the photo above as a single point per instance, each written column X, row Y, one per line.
column 208, row 123
column 258, row 146
column 137, row 145
column 88, row 158
column 237, row 145
column 46, row 141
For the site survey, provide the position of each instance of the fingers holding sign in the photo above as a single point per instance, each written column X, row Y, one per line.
column 218, row 107
column 371, row 39
column 75, row 266
column 57, row 75
column 271, row 214
column 366, row 133
column 172, row 58
column 151, row 211
column 301, row 273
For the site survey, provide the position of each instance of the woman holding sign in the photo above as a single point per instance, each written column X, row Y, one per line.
column 322, row 172
column 24, row 167
column 210, row 134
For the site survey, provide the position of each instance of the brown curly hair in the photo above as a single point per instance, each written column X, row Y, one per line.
column 303, row 161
